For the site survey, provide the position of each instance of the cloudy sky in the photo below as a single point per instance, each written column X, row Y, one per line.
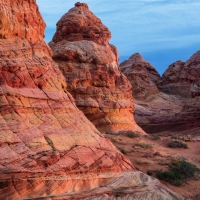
column 163, row 31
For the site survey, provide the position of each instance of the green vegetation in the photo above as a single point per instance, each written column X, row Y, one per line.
column 179, row 171
column 177, row 144
column 170, row 177
column 187, row 169
column 154, row 137
column 186, row 138
column 130, row 134
column 143, row 145
column 142, row 162
column 122, row 150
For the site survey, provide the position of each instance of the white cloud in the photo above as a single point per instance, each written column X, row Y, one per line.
column 144, row 25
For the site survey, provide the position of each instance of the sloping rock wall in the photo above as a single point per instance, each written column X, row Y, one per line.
column 48, row 148
column 142, row 76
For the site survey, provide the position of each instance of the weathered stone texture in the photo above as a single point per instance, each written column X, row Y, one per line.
column 142, row 76
column 90, row 65
column 48, row 148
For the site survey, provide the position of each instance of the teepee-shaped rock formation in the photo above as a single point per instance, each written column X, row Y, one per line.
column 164, row 104
column 183, row 78
column 142, row 76
column 90, row 65
column 48, row 148
column 47, row 145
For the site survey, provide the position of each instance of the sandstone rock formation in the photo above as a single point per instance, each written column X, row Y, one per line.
column 90, row 65
column 43, row 136
column 142, row 76
column 48, row 148
column 158, row 111
column 168, row 114
column 182, row 78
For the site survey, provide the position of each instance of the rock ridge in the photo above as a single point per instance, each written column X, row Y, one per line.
column 90, row 66
column 164, row 105
column 142, row 75
column 48, row 147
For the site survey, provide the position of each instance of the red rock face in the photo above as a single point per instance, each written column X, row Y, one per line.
column 81, row 24
column 168, row 114
column 157, row 111
column 142, row 76
column 48, row 148
column 47, row 145
column 21, row 20
column 182, row 78
column 90, row 65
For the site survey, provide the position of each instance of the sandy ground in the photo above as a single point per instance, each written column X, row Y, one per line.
column 157, row 155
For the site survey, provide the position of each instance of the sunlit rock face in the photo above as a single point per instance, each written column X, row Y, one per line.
column 47, row 145
column 90, row 65
column 182, row 78
column 142, row 75
column 48, row 148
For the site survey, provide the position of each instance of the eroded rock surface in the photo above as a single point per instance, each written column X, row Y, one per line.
column 46, row 143
column 174, row 111
column 136, row 186
column 90, row 65
column 48, row 148
column 168, row 114
column 142, row 76
column 182, row 78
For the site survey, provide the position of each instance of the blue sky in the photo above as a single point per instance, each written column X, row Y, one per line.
column 163, row 31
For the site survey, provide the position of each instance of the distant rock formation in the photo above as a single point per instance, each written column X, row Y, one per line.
column 169, row 108
column 182, row 78
column 90, row 65
column 48, row 148
column 142, row 76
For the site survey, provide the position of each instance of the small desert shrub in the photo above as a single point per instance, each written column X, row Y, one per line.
column 179, row 171
column 142, row 162
column 177, row 144
column 186, row 138
column 154, row 137
column 143, row 145
column 123, row 151
column 157, row 154
column 187, row 169
column 170, row 177
column 130, row 134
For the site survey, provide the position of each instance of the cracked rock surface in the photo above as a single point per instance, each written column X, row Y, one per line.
column 182, row 78
column 48, row 148
column 170, row 104
column 142, row 75
column 90, row 66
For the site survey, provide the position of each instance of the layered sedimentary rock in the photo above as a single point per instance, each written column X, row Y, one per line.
column 142, row 76
column 44, row 138
column 183, row 78
column 90, row 65
column 168, row 113
column 48, row 148
column 157, row 111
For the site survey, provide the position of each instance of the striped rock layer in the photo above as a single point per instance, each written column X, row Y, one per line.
column 48, row 148
column 90, row 65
